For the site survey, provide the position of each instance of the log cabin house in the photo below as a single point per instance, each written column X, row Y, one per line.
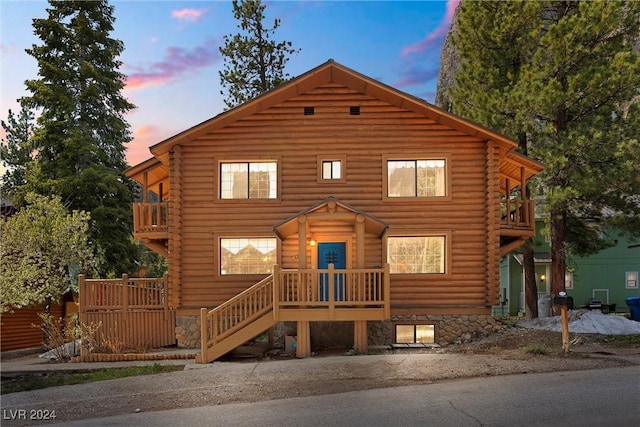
column 333, row 198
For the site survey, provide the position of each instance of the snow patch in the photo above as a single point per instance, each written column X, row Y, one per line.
column 586, row 322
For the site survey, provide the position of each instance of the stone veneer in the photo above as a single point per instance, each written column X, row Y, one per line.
column 188, row 331
column 448, row 329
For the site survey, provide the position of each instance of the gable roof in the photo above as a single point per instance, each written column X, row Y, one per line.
column 328, row 207
column 333, row 72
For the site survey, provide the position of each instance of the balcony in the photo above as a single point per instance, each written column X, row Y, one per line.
column 517, row 223
column 150, row 221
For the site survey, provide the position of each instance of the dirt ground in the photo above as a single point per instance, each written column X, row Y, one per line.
column 251, row 380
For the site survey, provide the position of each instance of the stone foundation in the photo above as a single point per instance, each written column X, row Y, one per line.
column 448, row 328
column 188, row 331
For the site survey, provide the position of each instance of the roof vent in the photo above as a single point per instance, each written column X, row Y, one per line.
column 309, row 111
column 354, row 111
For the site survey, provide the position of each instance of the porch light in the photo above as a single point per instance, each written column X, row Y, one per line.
column 312, row 242
column 542, row 277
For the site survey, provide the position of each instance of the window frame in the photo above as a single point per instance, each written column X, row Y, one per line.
column 417, row 157
column 218, row 178
column 218, row 253
column 331, row 158
column 447, row 234
column 627, row 279
column 568, row 280
column 415, row 328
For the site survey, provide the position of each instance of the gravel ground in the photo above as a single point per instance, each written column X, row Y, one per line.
column 251, row 380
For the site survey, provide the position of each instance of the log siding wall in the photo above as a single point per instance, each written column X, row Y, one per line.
column 285, row 133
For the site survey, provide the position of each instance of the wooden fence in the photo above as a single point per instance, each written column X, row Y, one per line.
column 134, row 313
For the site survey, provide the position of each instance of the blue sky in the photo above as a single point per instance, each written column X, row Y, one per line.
column 171, row 55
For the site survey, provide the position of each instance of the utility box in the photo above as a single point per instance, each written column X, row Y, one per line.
column 544, row 306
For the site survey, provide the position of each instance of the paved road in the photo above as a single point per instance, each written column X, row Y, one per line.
column 585, row 398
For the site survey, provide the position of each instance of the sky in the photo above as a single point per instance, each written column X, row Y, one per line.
column 171, row 57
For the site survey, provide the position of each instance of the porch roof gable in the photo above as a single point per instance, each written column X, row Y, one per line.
column 327, row 209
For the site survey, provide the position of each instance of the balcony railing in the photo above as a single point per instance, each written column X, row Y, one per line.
column 150, row 219
column 518, row 214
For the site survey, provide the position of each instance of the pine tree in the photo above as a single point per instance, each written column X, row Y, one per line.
column 81, row 127
column 16, row 150
column 253, row 63
column 575, row 95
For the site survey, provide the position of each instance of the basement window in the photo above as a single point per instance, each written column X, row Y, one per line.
column 415, row 334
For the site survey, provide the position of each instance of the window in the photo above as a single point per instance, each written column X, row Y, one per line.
column 331, row 169
column 631, row 280
column 414, row 255
column 568, row 280
column 416, row 178
column 247, row 255
column 249, row 180
column 412, row 334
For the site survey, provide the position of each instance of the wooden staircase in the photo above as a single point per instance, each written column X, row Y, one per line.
column 235, row 322
column 294, row 295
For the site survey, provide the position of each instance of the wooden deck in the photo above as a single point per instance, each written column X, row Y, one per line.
column 295, row 295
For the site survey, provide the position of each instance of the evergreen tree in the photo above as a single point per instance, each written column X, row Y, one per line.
column 16, row 150
column 253, row 63
column 575, row 95
column 79, row 142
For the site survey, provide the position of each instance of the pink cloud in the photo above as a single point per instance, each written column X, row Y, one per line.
column 191, row 15
column 143, row 138
column 436, row 36
column 177, row 61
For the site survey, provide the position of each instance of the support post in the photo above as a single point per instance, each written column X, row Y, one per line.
column 203, row 336
column 360, row 337
column 303, row 347
column 564, row 319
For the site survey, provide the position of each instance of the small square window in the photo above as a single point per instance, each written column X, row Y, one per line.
column 331, row 169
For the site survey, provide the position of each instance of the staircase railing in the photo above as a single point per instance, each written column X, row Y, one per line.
column 236, row 313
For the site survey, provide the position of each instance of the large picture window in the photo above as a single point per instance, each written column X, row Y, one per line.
column 416, row 178
column 416, row 255
column 247, row 255
column 249, row 180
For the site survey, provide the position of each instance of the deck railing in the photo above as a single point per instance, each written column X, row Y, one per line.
column 150, row 217
column 330, row 287
column 285, row 291
column 518, row 213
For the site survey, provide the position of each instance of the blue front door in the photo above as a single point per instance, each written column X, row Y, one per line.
column 332, row 253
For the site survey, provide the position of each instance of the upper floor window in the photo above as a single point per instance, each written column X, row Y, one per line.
column 247, row 255
column 331, row 169
column 249, row 180
column 417, row 254
column 417, row 178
